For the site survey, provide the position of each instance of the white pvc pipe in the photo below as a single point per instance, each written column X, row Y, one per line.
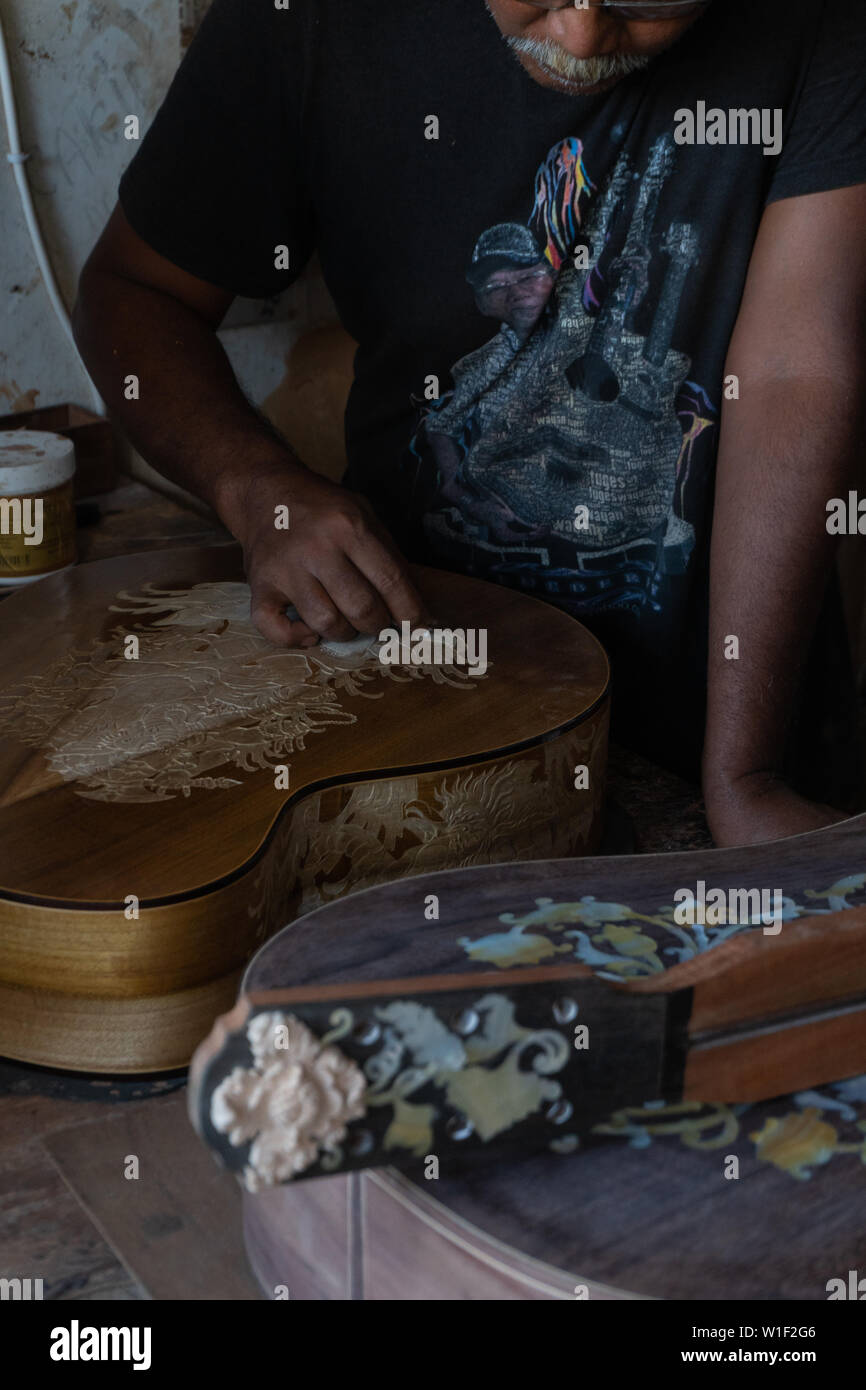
column 18, row 158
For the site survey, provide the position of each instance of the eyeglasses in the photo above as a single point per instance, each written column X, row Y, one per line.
column 493, row 286
column 629, row 9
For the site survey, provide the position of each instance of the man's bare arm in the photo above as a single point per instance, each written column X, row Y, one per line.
column 790, row 443
column 138, row 314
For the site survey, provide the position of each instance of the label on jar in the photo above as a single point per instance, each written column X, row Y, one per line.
column 37, row 533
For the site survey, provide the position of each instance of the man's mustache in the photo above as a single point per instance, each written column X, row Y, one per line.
column 585, row 71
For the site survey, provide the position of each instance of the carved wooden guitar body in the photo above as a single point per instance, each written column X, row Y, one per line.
column 148, row 841
column 547, row 1004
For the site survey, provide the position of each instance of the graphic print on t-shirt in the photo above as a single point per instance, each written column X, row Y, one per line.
column 560, row 460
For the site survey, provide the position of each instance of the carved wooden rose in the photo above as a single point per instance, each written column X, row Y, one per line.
column 294, row 1104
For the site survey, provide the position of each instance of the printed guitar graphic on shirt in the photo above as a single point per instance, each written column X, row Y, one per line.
column 595, row 374
column 635, row 408
column 585, row 411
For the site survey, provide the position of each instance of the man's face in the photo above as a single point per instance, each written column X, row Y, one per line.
column 516, row 296
column 583, row 51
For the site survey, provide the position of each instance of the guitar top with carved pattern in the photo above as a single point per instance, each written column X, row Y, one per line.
column 173, row 788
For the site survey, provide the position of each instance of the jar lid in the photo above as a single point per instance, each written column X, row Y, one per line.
column 33, row 460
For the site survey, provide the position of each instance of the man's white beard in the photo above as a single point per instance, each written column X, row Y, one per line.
column 585, row 72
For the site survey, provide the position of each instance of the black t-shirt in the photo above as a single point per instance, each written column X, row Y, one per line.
column 563, row 444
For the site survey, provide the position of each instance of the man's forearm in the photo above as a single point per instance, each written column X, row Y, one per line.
column 190, row 419
column 787, row 447
column 141, row 316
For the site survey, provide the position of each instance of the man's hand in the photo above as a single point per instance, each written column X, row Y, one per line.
column 336, row 564
column 761, row 807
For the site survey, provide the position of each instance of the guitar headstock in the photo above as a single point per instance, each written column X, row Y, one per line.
column 299, row 1083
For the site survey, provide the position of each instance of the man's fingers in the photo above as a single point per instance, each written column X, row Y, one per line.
column 356, row 599
column 320, row 605
column 343, row 576
column 268, row 613
column 386, row 571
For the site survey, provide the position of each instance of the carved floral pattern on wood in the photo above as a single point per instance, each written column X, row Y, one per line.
column 802, row 1135
column 295, row 1103
column 621, row 943
column 348, row 838
column 220, row 701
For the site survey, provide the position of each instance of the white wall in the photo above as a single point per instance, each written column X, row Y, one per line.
column 79, row 68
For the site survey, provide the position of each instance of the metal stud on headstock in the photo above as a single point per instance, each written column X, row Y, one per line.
column 458, row 1127
column 467, row 1022
column 564, row 1010
column 559, row 1112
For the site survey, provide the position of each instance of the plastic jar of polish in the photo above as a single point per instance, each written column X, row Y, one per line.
column 37, row 510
